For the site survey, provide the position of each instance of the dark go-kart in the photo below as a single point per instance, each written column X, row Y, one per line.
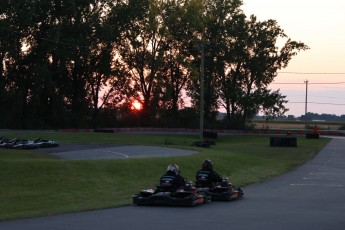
column 223, row 191
column 187, row 196
column 25, row 144
column 8, row 143
column 18, row 143
column 43, row 143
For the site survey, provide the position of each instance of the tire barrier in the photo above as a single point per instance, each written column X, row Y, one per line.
column 312, row 135
column 283, row 141
column 104, row 131
column 211, row 135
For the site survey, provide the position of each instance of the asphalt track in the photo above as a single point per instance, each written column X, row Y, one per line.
column 311, row 197
column 77, row 151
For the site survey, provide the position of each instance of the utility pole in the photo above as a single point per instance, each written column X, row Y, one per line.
column 202, row 91
column 306, row 103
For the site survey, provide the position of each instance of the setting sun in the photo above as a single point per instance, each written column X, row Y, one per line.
column 136, row 105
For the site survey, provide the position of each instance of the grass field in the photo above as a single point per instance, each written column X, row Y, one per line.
column 36, row 184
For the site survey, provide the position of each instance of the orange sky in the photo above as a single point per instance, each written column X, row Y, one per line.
column 321, row 26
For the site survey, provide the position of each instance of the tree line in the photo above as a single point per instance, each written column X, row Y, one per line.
column 322, row 117
column 72, row 63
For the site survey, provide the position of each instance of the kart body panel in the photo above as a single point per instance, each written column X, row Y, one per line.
column 223, row 191
column 166, row 198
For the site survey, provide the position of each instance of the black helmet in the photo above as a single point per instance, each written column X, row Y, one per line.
column 174, row 168
column 207, row 165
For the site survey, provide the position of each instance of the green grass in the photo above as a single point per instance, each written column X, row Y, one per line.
column 36, row 184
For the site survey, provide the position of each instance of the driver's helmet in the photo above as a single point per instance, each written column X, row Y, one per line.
column 173, row 168
column 207, row 165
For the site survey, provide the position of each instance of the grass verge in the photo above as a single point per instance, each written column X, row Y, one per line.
column 36, row 184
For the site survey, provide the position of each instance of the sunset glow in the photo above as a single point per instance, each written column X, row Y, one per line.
column 136, row 105
column 322, row 65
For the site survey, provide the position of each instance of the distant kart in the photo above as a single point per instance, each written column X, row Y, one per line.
column 223, row 191
column 186, row 196
column 8, row 143
column 18, row 143
column 42, row 143
column 25, row 144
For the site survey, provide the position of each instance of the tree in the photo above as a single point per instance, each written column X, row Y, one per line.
column 217, row 16
column 66, row 62
column 16, row 79
column 177, row 63
column 254, row 61
column 141, row 51
column 7, row 43
column 63, row 62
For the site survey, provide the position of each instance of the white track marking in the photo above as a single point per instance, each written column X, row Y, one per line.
column 319, row 185
column 324, row 173
column 308, row 178
column 122, row 154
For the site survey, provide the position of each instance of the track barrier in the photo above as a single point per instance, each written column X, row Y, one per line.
column 217, row 131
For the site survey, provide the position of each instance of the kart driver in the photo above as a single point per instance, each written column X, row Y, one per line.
column 172, row 180
column 206, row 176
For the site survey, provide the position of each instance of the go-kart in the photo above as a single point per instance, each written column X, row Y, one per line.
column 223, row 191
column 25, row 144
column 8, row 143
column 43, row 143
column 163, row 196
column 18, row 143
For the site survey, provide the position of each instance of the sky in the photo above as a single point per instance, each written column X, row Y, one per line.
column 321, row 26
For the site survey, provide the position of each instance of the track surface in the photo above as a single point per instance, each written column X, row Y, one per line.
column 75, row 151
column 311, row 197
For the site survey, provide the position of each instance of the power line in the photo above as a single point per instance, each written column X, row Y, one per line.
column 300, row 95
column 282, row 83
column 313, row 73
column 319, row 103
column 327, row 83
column 316, row 83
